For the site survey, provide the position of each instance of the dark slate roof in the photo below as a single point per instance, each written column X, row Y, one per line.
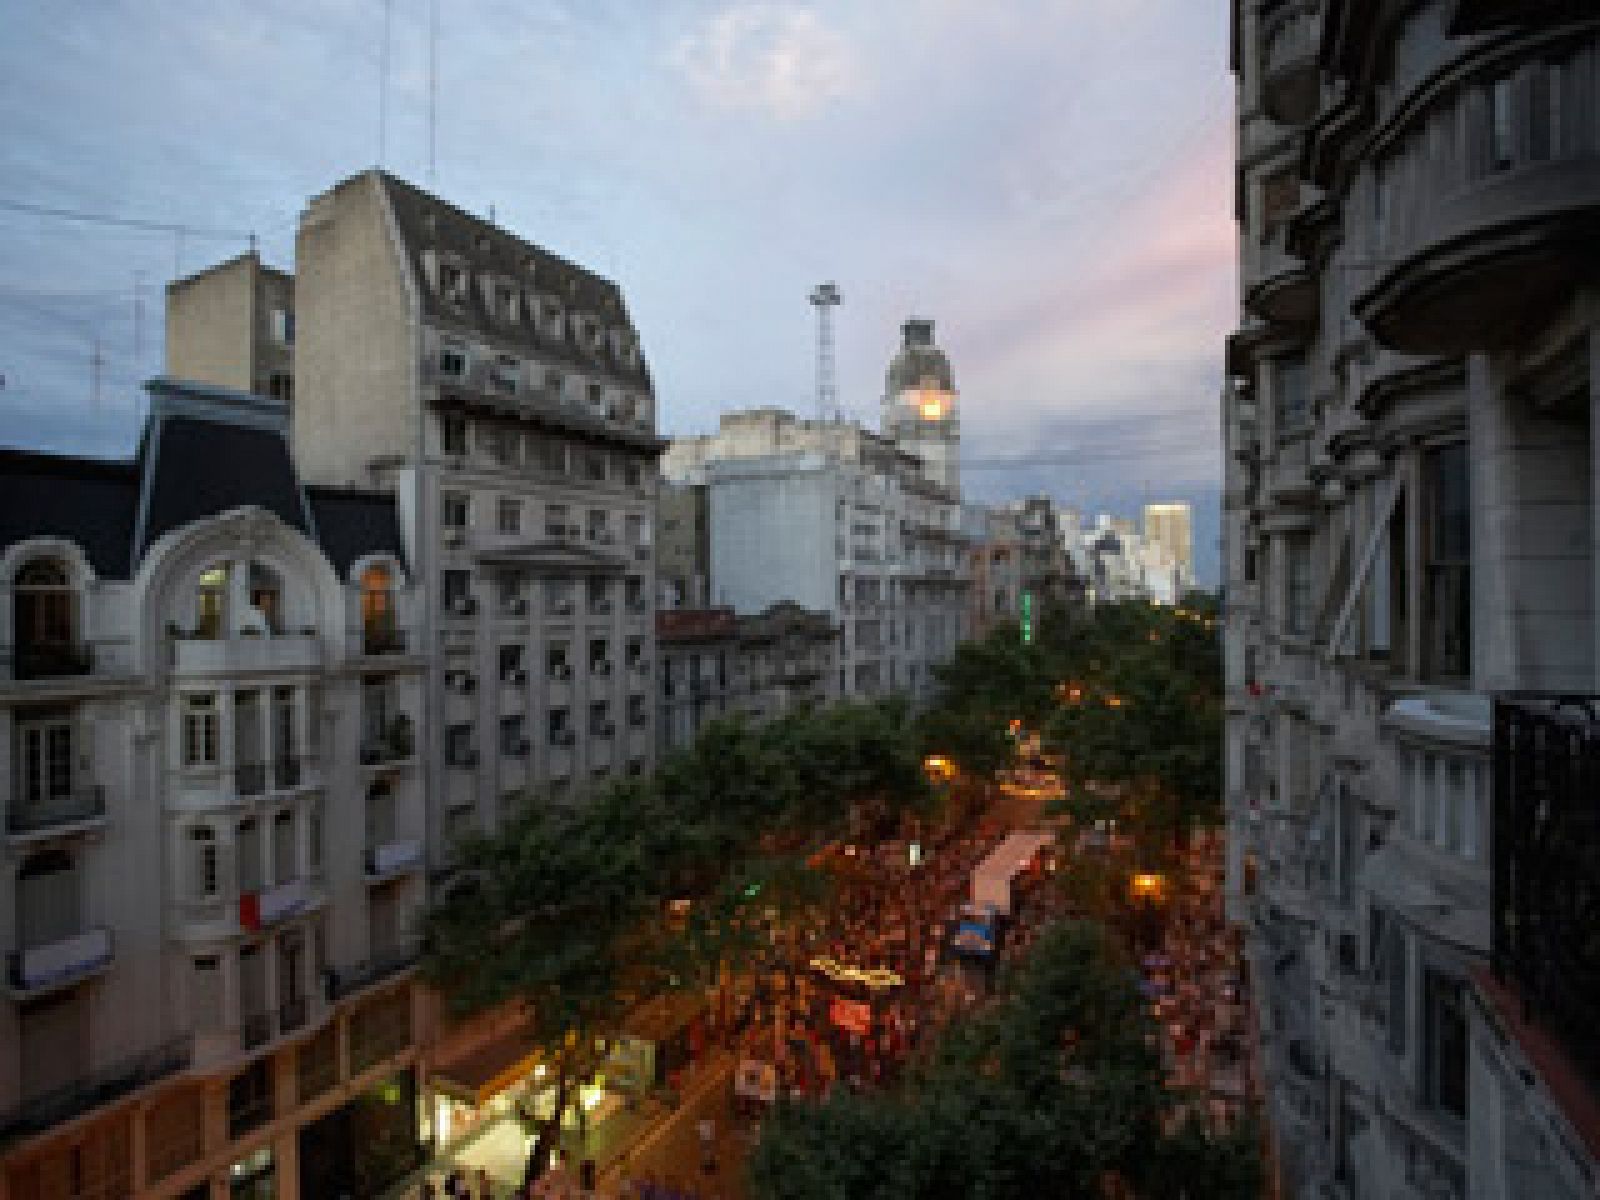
column 88, row 501
column 352, row 523
column 489, row 248
column 919, row 360
column 203, row 468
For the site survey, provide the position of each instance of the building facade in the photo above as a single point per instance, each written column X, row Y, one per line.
column 867, row 538
column 995, row 554
column 1169, row 544
column 1410, row 580
column 210, row 718
column 683, row 545
column 716, row 664
column 233, row 325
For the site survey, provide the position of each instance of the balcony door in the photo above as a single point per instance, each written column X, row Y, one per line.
column 44, row 764
column 43, row 616
column 47, row 899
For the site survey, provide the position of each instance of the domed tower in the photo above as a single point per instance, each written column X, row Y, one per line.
column 919, row 404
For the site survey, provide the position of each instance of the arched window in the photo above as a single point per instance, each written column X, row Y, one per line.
column 211, row 602
column 43, row 629
column 378, row 625
column 266, row 596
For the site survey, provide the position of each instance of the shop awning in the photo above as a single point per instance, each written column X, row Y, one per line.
column 489, row 1068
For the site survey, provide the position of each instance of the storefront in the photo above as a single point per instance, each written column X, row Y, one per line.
column 367, row 1144
column 659, row 1040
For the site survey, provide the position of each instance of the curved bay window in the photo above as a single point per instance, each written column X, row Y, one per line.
column 380, row 633
column 44, row 631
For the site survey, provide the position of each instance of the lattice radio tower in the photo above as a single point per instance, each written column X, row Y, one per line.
column 825, row 298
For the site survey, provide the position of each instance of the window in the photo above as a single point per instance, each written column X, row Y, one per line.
column 314, row 839
column 510, row 660
column 555, row 384
column 285, row 862
column 598, row 648
column 509, row 512
column 599, row 597
column 200, row 724
column 458, row 590
column 1447, row 584
column 512, row 739
column 1294, row 407
column 560, row 727
column 555, row 521
column 453, row 434
column 280, row 386
column 638, row 716
column 44, row 603
column 507, row 371
column 599, row 525
column 634, row 594
column 632, row 474
column 283, row 326
column 1545, row 133
column 503, row 445
column 505, row 302
column 452, row 282
column 597, row 402
column 458, row 750
column 247, row 854
column 558, row 597
column 1446, row 1047
column 211, row 602
column 509, row 586
column 1297, row 583
column 638, row 534
column 556, row 660
column 378, row 622
column 452, row 360
column 594, row 466
column 600, row 719
column 454, row 509
column 1502, row 125
column 46, row 766
column 203, row 877
column 635, row 652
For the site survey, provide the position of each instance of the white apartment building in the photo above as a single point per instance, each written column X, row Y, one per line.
column 1413, row 741
column 500, row 394
column 839, row 521
column 210, row 716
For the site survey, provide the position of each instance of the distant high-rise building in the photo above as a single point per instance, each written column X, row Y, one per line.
column 1169, row 533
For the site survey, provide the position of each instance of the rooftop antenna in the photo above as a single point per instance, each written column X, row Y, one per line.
column 825, row 298
column 96, row 361
column 383, row 83
column 433, row 85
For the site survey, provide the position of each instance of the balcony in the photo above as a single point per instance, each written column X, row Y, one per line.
column 391, row 744
column 383, row 966
column 68, row 812
column 273, row 905
column 59, row 964
column 381, row 639
column 246, row 654
column 1546, row 889
column 95, row 1090
column 1290, row 87
column 51, row 660
column 1284, row 289
column 398, row 856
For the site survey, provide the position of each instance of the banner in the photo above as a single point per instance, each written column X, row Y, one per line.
column 852, row 1016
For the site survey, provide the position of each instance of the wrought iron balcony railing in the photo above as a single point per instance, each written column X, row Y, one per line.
column 1545, row 942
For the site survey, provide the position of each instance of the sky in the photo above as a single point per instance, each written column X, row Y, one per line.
column 1048, row 180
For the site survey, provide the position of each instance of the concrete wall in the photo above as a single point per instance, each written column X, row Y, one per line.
column 211, row 323
column 357, row 343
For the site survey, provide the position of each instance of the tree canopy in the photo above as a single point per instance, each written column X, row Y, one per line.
column 1056, row 1091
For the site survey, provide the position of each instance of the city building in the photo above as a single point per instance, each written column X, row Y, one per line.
column 867, row 538
column 1410, row 571
column 716, row 664
column 500, row 394
column 233, row 325
column 211, row 711
column 1169, row 543
column 683, row 545
column 919, row 405
column 1048, row 574
column 994, row 540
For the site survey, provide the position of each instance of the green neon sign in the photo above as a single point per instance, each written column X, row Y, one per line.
column 1027, row 618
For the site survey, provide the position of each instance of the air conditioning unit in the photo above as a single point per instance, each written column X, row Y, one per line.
column 605, row 729
column 561, row 671
column 467, row 758
column 563, row 737
column 642, row 667
column 600, row 667
column 522, row 748
column 516, row 678
column 463, row 606
column 463, row 681
column 454, row 536
column 517, row 607
column 564, row 609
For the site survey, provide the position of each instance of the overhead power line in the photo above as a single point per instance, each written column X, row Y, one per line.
column 70, row 214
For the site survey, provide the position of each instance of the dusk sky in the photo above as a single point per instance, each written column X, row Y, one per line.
column 1049, row 180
